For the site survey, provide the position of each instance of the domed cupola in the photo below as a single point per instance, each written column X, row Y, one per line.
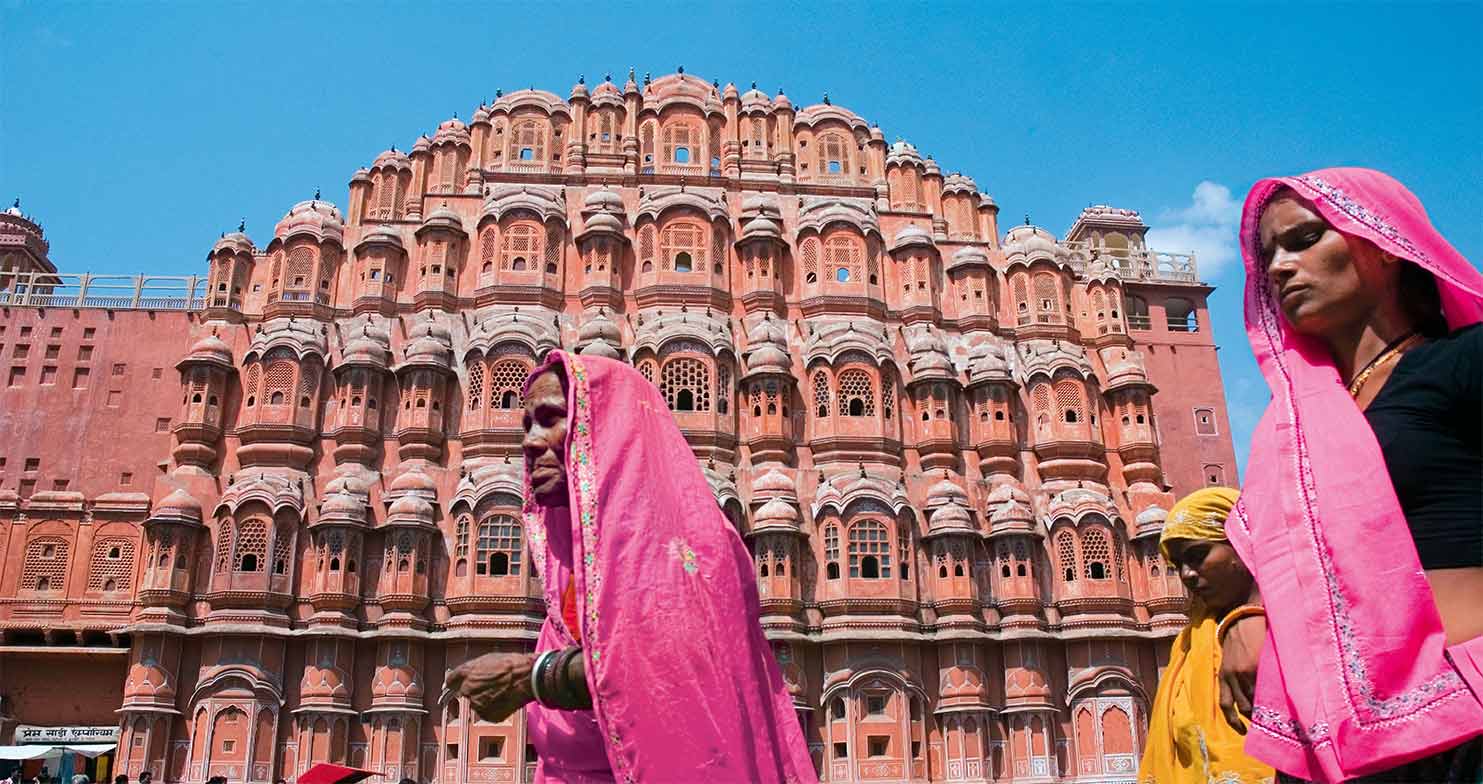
column 600, row 336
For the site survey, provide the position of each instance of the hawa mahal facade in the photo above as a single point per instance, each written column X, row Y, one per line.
column 251, row 517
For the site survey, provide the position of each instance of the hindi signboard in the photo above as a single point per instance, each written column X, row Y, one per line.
column 27, row 734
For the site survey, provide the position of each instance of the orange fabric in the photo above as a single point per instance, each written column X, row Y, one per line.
column 569, row 609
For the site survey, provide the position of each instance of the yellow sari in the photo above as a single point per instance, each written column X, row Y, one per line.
column 1189, row 741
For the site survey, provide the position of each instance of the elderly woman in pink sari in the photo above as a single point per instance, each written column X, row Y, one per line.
column 1362, row 512
column 651, row 666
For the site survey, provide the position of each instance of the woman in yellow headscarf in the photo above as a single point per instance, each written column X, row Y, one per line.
column 1191, row 737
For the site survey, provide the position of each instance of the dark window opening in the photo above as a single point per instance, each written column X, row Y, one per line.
column 832, row 571
column 685, row 401
column 1097, row 570
column 682, row 262
column 249, row 563
column 870, row 568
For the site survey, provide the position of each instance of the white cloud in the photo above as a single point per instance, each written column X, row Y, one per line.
column 1208, row 227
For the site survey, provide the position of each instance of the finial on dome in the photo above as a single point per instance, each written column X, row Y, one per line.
column 455, row 115
column 316, row 194
column 821, row 476
column 754, row 84
column 499, row 93
column 241, row 225
column 1027, row 219
column 630, row 73
column 826, row 100
column 780, row 90
column 681, row 69
column 393, row 148
column 581, row 78
column 607, row 77
column 862, row 470
column 17, row 203
column 647, row 79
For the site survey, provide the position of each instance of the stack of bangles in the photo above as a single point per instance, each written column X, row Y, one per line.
column 552, row 682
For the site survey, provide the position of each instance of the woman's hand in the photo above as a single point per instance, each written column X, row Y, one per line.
column 1240, row 651
column 497, row 684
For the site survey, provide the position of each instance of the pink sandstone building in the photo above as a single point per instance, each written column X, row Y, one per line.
column 250, row 518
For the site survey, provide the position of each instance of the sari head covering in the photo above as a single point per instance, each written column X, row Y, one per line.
column 1200, row 516
column 1189, row 741
column 684, row 685
column 1354, row 677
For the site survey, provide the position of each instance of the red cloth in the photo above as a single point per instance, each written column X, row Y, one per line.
column 569, row 609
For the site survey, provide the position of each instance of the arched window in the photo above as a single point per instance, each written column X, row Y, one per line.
column 278, row 380
column 1066, row 554
column 856, row 393
column 680, row 244
column 461, row 547
column 507, row 383
column 844, row 258
column 833, row 154
column 870, row 550
column 499, row 547
column 821, row 394
column 1138, row 313
column 810, row 254
column 252, row 546
column 680, row 141
column 283, row 540
column 831, row 551
column 476, row 384
column 519, row 244
column 686, row 384
column 530, row 140
column 45, row 566
column 1181, row 315
column 112, row 566
column 1047, row 299
column 1069, row 399
column 1096, row 555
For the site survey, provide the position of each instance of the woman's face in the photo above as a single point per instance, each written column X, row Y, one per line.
column 1324, row 280
column 1212, row 571
column 545, row 438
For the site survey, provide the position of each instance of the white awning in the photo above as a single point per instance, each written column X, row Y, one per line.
column 38, row 751
column 27, row 752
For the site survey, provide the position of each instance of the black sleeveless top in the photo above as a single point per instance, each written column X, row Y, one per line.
column 1428, row 419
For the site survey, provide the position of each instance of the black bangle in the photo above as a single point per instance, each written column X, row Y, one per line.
column 565, row 691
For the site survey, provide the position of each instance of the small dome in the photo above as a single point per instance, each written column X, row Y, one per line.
column 363, row 349
column 579, row 90
column 235, row 242
column 211, row 349
column 442, row 217
column 599, row 327
column 179, row 504
column 775, row 513
column 762, row 228
column 348, row 483
column 769, row 357
column 342, row 507
column 932, row 170
column 903, row 153
column 1153, row 515
column 605, row 199
column 946, row 491
column 988, row 365
column 414, row 482
column 773, row 483
column 912, row 235
column 393, row 158
column 782, row 103
column 958, row 183
column 606, row 90
column 604, row 223
column 451, row 131
column 755, row 99
column 950, row 517
column 729, row 93
column 361, row 175
column 876, row 135
column 423, row 144
column 381, row 234
column 481, row 114
column 600, row 348
column 410, row 509
column 969, row 256
column 315, row 217
column 760, row 203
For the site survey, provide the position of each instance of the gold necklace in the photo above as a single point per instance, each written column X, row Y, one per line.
column 1387, row 356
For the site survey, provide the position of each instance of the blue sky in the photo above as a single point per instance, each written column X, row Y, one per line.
column 138, row 132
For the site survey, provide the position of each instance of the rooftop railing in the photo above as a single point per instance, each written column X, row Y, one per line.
column 114, row 292
column 1137, row 264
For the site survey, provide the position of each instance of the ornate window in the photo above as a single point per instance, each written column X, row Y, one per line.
column 723, row 389
column 1069, row 400
column 278, row 381
column 1040, row 401
column 682, row 247
column 646, row 248
column 834, row 159
column 821, row 393
column 856, row 394
column 223, row 544
column 1047, row 299
column 686, row 384
column 461, row 547
column 488, row 247
column 112, row 565
column 843, row 258
column 1066, row 554
column 870, row 550
column 476, row 384
column 888, row 394
column 1096, row 554
column 252, row 546
column 283, row 542
column 300, row 267
column 646, row 369
column 46, row 564
column 903, row 542
column 553, row 250
column 681, row 142
column 810, row 253
column 520, row 247
column 530, row 140
column 507, row 384
column 499, row 547
column 831, row 551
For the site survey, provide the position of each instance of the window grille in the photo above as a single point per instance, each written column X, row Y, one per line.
column 488, row 246
column 519, row 247
column 1066, row 554
column 821, row 393
column 870, row 550
column 112, row 563
column 1069, row 399
column 856, row 394
column 499, row 547
column 252, row 546
column 45, row 566
column 283, row 542
column 811, row 260
column 1095, row 554
column 686, row 384
column 223, row 545
column 476, row 384
column 506, row 384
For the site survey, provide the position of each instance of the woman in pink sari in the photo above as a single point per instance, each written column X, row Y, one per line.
column 1362, row 512
column 651, row 666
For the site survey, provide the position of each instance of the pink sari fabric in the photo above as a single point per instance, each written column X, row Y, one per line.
column 685, row 686
column 1355, row 677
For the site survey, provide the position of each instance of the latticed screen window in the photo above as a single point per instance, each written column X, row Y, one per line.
column 810, row 254
column 223, row 545
column 646, row 248
column 112, row 565
column 488, row 247
column 506, row 383
column 283, row 544
column 856, row 394
column 686, row 384
column 300, row 267
column 446, row 183
column 870, row 550
column 553, row 251
column 718, row 250
column 1068, row 399
column 646, row 145
column 308, row 384
column 758, row 146
column 1117, row 557
column 680, row 142
column 1001, row 554
column 1095, row 554
column 1040, row 401
column 843, row 258
column 682, row 247
column 831, row 550
column 723, row 389
column 252, row 546
column 821, row 393
column 1021, row 300
column 530, row 141
column 476, row 384
column 278, row 382
column 499, row 547
column 1066, row 554
column 46, row 564
column 646, row 369
column 1047, row 299
column 520, row 246
column 888, row 394
column 833, row 155
column 1022, row 558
